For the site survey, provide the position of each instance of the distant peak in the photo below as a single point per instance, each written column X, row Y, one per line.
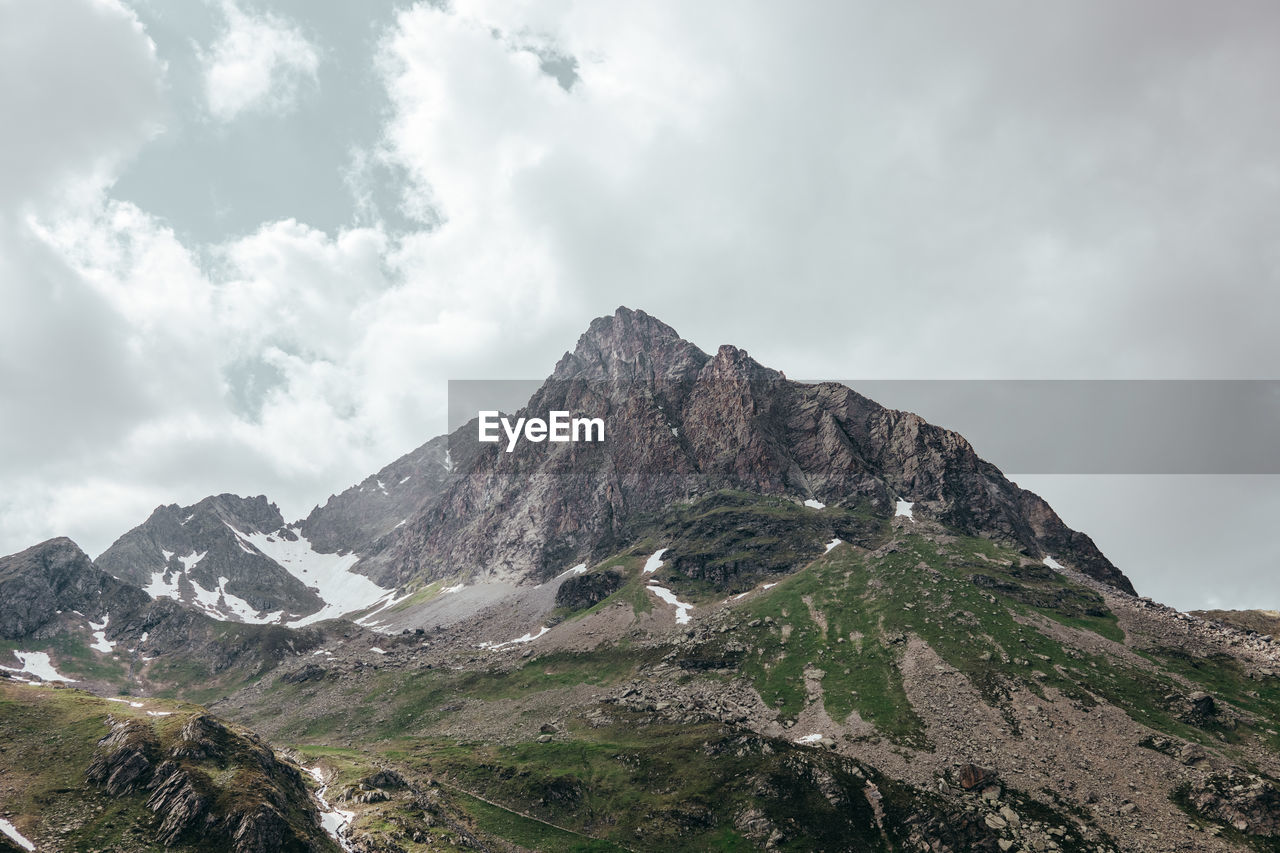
column 59, row 547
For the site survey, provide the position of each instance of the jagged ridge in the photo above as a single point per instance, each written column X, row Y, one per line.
column 682, row 423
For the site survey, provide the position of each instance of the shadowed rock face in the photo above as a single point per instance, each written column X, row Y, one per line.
column 374, row 507
column 583, row 591
column 681, row 423
column 53, row 576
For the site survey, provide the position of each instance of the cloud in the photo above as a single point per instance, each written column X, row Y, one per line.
column 81, row 92
column 258, row 62
column 846, row 189
column 1072, row 179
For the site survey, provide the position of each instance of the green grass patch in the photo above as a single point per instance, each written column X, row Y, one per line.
column 527, row 832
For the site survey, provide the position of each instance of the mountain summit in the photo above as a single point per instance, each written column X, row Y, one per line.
column 683, row 424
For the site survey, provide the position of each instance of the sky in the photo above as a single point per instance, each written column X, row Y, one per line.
column 244, row 245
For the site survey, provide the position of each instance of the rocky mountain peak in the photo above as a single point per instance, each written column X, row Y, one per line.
column 211, row 555
column 683, row 424
column 630, row 346
column 39, row 583
column 256, row 513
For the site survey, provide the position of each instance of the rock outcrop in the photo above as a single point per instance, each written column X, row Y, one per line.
column 212, row 785
column 582, row 591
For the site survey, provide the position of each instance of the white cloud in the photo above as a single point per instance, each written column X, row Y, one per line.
column 259, row 62
column 871, row 176
column 989, row 191
column 79, row 92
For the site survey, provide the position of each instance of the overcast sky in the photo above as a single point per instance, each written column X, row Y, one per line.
column 243, row 245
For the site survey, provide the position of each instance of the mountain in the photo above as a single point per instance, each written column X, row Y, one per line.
column 64, row 620
column 761, row 614
column 39, row 584
column 375, row 507
column 909, row 688
column 234, row 558
column 681, row 424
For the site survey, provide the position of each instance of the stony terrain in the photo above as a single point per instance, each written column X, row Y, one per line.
column 1046, row 706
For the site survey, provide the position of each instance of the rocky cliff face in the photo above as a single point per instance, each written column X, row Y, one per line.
column 42, row 582
column 681, row 424
column 376, row 506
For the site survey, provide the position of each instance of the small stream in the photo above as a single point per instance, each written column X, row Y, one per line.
column 333, row 820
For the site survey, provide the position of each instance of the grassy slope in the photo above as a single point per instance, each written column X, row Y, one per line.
column 842, row 617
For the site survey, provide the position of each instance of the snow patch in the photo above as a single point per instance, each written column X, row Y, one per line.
column 376, row 650
column 682, row 607
column 159, row 713
column 192, row 560
column 402, row 482
column 12, row 831
column 1053, row 564
column 125, row 702
column 904, row 509
column 168, row 555
column 770, row 585
column 341, row 589
column 833, row 543
column 454, row 588
column 38, row 664
column 388, row 600
column 206, row 599
column 527, row 638
column 812, row 504
column 580, row 569
column 160, row 587
column 243, row 609
column 654, row 563
column 813, row 738
column 100, row 642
